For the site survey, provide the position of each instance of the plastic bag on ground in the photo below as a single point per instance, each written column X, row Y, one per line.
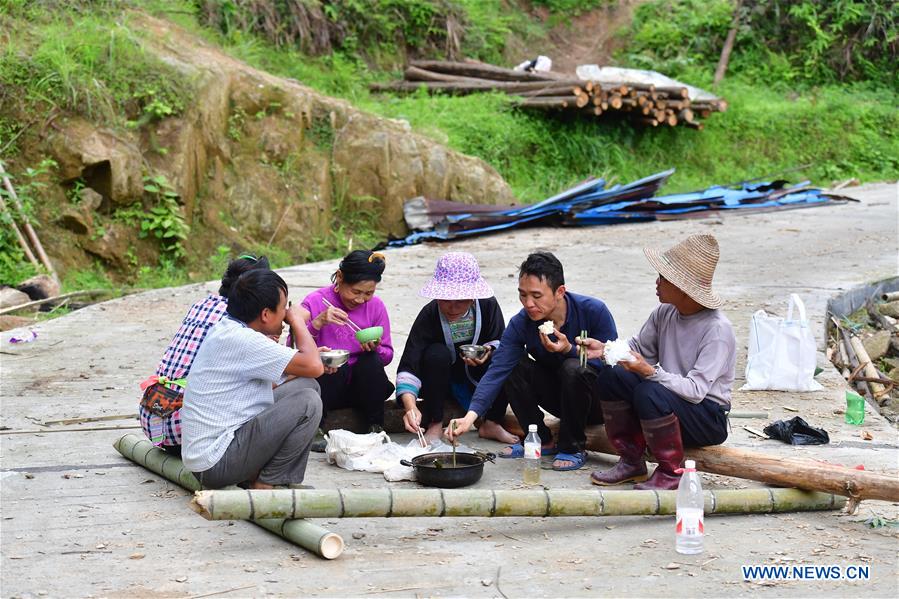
column 782, row 352
column 797, row 431
column 344, row 447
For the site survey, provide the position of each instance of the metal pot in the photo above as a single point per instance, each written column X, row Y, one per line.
column 436, row 469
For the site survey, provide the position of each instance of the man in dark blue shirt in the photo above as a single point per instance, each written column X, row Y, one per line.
column 536, row 370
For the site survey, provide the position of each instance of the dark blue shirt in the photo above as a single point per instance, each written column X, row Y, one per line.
column 521, row 337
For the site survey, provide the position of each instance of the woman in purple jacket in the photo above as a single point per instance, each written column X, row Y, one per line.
column 350, row 300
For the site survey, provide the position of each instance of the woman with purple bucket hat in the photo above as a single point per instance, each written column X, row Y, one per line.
column 463, row 311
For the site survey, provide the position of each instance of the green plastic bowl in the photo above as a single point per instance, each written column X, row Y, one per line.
column 369, row 334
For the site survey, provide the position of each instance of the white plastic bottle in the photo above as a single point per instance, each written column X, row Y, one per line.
column 689, row 531
column 531, row 472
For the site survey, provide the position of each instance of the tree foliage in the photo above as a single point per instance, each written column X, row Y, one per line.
column 795, row 41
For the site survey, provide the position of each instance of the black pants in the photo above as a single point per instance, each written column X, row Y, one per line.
column 437, row 375
column 701, row 424
column 363, row 386
column 569, row 392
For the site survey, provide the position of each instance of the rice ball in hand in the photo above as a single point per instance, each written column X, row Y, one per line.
column 617, row 351
column 547, row 328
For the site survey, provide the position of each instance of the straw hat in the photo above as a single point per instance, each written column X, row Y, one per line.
column 690, row 265
column 457, row 277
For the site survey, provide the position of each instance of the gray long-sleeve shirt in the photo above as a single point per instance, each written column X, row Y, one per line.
column 696, row 354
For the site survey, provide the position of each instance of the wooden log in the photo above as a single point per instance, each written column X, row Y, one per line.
column 483, row 71
column 648, row 122
column 387, row 502
column 417, row 74
column 685, row 114
column 670, row 118
column 674, row 91
column 740, row 463
column 870, row 371
column 694, row 125
column 549, row 102
column 581, row 100
column 615, row 101
column 462, row 88
column 303, row 533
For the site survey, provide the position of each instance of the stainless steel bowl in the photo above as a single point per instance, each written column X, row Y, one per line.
column 474, row 352
column 334, row 358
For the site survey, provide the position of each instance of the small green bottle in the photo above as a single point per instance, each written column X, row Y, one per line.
column 855, row 408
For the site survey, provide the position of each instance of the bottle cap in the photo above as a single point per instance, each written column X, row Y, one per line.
column 532, row 428
column 690, row 464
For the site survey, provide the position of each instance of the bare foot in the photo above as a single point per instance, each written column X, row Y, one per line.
column 258, row 485
column 434, row 432
column 495, row 431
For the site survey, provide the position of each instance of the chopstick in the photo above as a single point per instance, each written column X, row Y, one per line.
column 421, row 437
column 349, row 322
column 582, row 350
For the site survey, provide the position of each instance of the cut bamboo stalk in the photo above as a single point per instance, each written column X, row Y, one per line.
column 870, row 371
column 485, row 503
column 890, row 297
column 740, row 463
column 307, row 535
column 29, row 230
column 19, row 237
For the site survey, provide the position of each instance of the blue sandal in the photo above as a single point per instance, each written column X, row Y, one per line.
column 518, row 451
column 577, row 461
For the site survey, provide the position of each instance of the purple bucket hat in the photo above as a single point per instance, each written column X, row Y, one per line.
column 457, row 277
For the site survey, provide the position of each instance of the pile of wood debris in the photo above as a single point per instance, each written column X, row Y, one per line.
column 635, row 99
column 864, row 346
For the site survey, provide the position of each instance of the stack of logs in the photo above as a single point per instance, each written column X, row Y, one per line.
column 642, row 103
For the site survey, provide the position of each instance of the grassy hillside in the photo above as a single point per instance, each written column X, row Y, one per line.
column 781, row 117
column 805, row 95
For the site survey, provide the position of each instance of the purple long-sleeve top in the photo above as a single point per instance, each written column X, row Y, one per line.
column 372, row 313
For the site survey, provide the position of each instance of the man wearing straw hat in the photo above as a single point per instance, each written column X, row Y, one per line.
column 675, row 389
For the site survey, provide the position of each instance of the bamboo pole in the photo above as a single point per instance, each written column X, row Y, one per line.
column 861, row 353
column 740, row 463
column 890, row 297
column 386, row 502
column 19, row 237
column 307, row 535
column 29, row 230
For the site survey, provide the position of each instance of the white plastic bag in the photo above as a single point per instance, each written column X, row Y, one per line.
column 782, row 352
column 344, row 447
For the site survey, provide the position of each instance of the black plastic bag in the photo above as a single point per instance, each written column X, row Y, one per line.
column 797, row 431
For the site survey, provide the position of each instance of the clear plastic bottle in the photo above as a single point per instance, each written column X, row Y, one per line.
column 690, row 503
column 531, row 471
